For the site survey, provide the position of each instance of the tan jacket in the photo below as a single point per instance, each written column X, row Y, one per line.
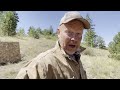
column 52, row 64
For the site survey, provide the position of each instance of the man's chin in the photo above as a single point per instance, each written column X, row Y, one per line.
column 70, row 53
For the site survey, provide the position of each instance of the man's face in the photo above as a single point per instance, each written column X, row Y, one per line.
column 70, row 35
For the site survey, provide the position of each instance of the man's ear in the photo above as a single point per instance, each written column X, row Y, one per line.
column 58, row 32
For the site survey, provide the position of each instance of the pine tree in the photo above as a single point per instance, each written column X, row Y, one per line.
column 100, row 43
column 114, row 47
column 51, row 30
column 8, row 23
column 21, row 32
column 90, row 35
column 32, row 33
column 39, row 31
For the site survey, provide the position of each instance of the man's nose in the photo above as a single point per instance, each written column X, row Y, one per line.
column 73, row 38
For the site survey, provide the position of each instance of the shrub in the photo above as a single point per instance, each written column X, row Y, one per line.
column 114, row 47
column 89, row 52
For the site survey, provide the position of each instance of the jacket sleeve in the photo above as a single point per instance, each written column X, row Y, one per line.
column 29, row 71
column 36, row 70
column 22, row 74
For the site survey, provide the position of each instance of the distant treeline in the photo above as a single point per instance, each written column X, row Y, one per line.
column 36, row 32
column 91, row 39
column 8, row 24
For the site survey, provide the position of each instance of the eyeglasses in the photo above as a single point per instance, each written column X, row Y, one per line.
column 72, row 34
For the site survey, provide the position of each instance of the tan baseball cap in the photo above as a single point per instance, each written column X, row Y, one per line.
column 71, row 15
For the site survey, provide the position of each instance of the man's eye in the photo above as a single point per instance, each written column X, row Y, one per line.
column 69, row 33
column 79, row 34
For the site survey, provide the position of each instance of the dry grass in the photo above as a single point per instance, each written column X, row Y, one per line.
column 96, row 62
column 29, row 48
column 100, row 66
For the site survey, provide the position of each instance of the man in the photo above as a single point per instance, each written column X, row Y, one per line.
column 63, row 61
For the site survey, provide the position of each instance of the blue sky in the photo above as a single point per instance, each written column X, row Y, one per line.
column 107, row 23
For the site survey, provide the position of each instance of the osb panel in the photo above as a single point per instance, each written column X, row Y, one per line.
column 9, row 52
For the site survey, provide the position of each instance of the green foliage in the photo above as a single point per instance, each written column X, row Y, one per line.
column 39, row 31
column 114, row 47
column 48, row 31
column 8, row 23
column 21, row 32
column 33, row 33
column 89, row 38
column 90, row 35
column 45, row 32
column 99, row 42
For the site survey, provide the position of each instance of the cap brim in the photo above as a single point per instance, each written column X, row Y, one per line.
column 84, row 21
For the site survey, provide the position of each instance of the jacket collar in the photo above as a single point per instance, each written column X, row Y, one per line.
column 74, row 57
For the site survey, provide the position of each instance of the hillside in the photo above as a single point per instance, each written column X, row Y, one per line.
column 95, row 61
column 99, row 66
column 29, row 48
